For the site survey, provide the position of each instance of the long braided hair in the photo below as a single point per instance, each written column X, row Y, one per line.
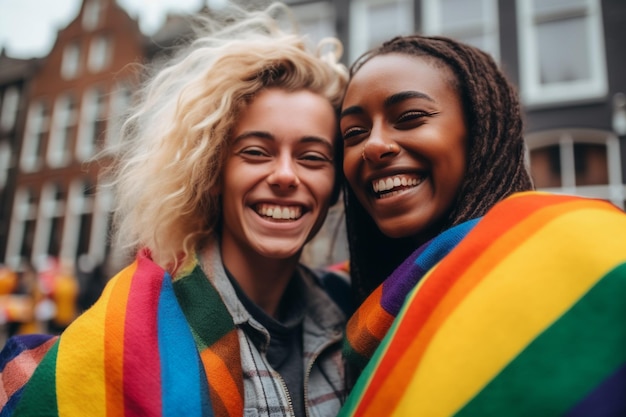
column 496, row 164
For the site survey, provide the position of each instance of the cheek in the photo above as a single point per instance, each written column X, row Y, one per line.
column 351, row 158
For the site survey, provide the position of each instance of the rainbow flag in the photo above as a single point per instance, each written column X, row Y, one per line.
column 524, row 317
column 136, row 352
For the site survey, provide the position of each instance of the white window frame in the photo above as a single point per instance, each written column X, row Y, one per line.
column 316, row 20
column 102, row 210
column 64, row 117
column 488, row 29
column 37, row 125
column 92, row 110
column 24, row 209
column 614, row 191
column 92, row 14
column 49, row 208
column 10, row 107
column 100, row 51
column 78, row 204
column 360, row 10
column 5, row 163
column 533, row 93
column 70, row 64
column 121, row 100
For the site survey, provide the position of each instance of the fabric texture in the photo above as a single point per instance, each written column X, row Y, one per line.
column 524, row 316
column 150, row 346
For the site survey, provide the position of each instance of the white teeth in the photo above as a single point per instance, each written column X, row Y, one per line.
column 279, row 212
column 386, row 184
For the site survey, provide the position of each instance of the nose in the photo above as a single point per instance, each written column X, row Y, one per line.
column 379, row 146
column 284, row 174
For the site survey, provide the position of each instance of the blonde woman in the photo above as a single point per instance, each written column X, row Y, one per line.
column 230, row 169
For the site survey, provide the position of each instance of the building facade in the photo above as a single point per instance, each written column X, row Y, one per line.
column 15, row 77
column 566, row 57
column 61, row 207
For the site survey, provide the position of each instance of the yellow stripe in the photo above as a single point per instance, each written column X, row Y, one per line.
column 487, row 331
column 81, row 353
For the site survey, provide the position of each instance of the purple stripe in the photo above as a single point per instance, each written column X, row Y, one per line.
column 607, row 400
column 400, row 282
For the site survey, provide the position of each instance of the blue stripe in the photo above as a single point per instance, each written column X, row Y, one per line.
column 181, row 370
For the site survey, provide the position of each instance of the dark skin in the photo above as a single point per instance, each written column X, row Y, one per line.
column 405, row 140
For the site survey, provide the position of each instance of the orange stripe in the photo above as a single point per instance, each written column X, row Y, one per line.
column 422, row 321
column 219, row 369
column 114, row 341
column 370, row 316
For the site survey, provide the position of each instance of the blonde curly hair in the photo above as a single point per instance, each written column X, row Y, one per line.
column 176, row 139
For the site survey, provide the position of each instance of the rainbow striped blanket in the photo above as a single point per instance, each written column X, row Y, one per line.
column 526, row 316
column 136, row 352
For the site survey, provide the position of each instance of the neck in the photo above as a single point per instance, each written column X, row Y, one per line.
column 262, row 279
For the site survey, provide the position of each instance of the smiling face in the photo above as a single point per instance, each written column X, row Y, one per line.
column 405, row 141
column 279, row 175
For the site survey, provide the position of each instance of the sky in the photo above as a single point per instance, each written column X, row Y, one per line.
column 28, row 28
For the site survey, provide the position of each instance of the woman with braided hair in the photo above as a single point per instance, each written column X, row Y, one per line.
column 478, row 296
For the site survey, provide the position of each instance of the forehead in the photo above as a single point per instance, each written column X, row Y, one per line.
column 283, row 113
column 399, row 71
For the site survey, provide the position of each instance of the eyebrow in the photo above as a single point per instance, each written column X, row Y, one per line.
column 261, row 134
column 390, row 101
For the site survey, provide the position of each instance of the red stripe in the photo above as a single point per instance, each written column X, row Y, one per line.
column 142, row 368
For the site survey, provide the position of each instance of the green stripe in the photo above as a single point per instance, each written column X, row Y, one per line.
column 566, row 362
column 362, row 383
column 203, row 308
column 39, row 397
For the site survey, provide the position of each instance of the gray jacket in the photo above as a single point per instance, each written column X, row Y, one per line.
column 265, row 390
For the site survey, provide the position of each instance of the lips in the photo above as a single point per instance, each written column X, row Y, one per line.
column 392, row 185
column 279, row 212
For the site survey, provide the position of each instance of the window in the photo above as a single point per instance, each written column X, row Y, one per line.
column 99, row 243
column 374, row 21
column 578, row 161
column 561, row 51
column 315, row 20
column 37, row 127
column 10, row 105
column 92, row 14
column 77, row 233
column 22, row 230
column 5, row 163
column 70, row 66
column 471, row 21
column 121, row 100
column 99, row 53
column 63, row 131
column 47, row 240
column 93, row 123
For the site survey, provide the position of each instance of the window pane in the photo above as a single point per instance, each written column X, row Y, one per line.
column 9, row 108
column 591, row 164
column 563, row 51
column 71, row 61
column 384, row 21
column 545, row 166
column 457, row 13
column 553, row 5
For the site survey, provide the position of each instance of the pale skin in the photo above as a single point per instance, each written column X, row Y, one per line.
column 276, row 189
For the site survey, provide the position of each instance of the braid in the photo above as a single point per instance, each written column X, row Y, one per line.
column 495, row 161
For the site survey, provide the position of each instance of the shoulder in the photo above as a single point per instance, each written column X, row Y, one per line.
column 335, row 281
